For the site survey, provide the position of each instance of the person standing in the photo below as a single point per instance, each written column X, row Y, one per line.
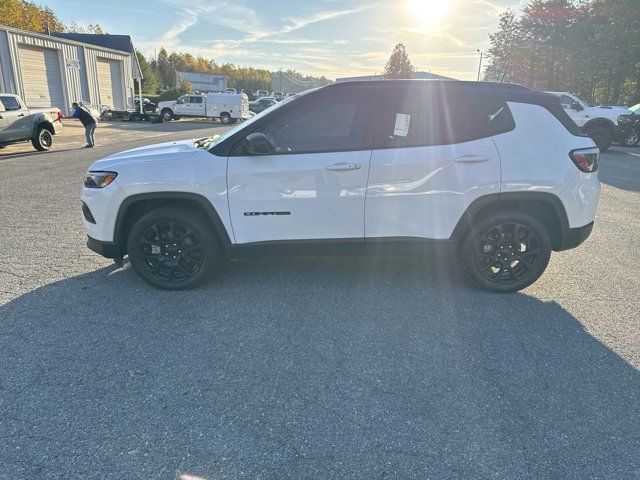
column 88, row 121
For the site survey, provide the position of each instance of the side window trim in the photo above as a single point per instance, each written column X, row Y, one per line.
column 9, row 100
column 367, row 141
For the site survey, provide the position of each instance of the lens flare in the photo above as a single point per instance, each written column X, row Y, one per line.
column 428, row 14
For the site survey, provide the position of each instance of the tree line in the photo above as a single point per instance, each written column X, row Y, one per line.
column 588, row 47
column 160, row 73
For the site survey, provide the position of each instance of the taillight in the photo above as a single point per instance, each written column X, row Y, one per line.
column 586, row 159
column 59, row 116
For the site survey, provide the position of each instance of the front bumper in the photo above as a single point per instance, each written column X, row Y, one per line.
column 572, row 237
column 106, row 249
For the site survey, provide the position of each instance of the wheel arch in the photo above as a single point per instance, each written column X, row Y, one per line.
column 133, row 207
column 599, row 122
column 43, row 124
column 544, row 207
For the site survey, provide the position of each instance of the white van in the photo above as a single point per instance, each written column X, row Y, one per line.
column 228, row 107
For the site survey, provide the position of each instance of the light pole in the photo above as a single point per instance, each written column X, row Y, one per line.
column 479, row 63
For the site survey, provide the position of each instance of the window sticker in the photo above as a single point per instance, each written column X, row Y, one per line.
column 402, row 124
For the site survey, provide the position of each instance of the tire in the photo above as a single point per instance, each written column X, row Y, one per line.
column 631, row 140
column 225, row 118
column 43, row 139
column 495, row 262
column 603, row 136
column 167, row 114
column 174, row 248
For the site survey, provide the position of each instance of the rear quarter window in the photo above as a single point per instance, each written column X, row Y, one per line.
column 494, row 115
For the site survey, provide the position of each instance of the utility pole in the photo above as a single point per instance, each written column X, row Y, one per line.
column 479, row 63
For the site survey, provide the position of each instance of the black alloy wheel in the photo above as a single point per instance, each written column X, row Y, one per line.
column 173, row 249
column 507, row 254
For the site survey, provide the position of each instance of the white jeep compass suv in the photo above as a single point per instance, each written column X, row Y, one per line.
column 497, row 172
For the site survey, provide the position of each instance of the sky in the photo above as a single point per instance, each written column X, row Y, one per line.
column 334, row 38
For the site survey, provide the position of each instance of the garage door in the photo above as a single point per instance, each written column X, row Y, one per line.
column 110, row 83
column 41, row 77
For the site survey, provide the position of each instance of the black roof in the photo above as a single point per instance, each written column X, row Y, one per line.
column 114, row 42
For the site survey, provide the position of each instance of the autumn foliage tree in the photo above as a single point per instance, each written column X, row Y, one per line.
column 28, row 16
column 399, row 65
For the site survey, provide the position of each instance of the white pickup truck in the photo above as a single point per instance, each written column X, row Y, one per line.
column 18, row 123
column 228, row 107
column 600, row 123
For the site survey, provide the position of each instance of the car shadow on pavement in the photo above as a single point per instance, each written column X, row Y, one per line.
column 620, row 169
column 172, row 126
column 7, row 155
column 309, row 367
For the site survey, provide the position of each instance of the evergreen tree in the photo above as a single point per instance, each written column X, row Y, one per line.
column 150, row 80
column 399, row 65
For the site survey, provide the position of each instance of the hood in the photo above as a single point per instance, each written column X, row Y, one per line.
column 151, row 153
column 614, row 109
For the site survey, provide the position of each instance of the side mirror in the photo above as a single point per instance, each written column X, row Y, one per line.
column 577, row 107
column 257, row 143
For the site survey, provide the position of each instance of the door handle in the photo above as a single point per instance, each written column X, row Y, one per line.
column 471, row 159
column 343, row 166
column 21, row 115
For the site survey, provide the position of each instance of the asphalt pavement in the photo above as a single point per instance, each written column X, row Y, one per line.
column 309, row 367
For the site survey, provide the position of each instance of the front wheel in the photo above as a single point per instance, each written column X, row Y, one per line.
column 632, row 139
column 167, row 114
column 173, row 248
column 43, row 140
column 506, row 252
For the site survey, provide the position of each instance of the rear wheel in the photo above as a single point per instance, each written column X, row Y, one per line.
column 43, row 139
column 225, row 118
column 603, row 136
column 506, row 252
column 173, row 248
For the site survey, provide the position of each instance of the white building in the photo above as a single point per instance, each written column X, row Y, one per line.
column 204, row 82
column 48, row 70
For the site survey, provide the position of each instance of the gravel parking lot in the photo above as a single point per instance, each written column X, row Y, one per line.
column 308, row 367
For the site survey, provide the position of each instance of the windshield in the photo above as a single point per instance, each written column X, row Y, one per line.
column 635, row 109
column 211, row 142
column 587, row 104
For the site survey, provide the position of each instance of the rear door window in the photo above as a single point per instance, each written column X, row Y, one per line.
column 438, row 116
column 406, row 118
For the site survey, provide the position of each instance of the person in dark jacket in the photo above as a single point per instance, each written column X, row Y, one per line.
column 87, row 121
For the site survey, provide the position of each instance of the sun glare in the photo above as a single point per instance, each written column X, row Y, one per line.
column 428, row 13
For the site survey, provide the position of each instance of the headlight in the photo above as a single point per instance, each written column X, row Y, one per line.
column 99, row 179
